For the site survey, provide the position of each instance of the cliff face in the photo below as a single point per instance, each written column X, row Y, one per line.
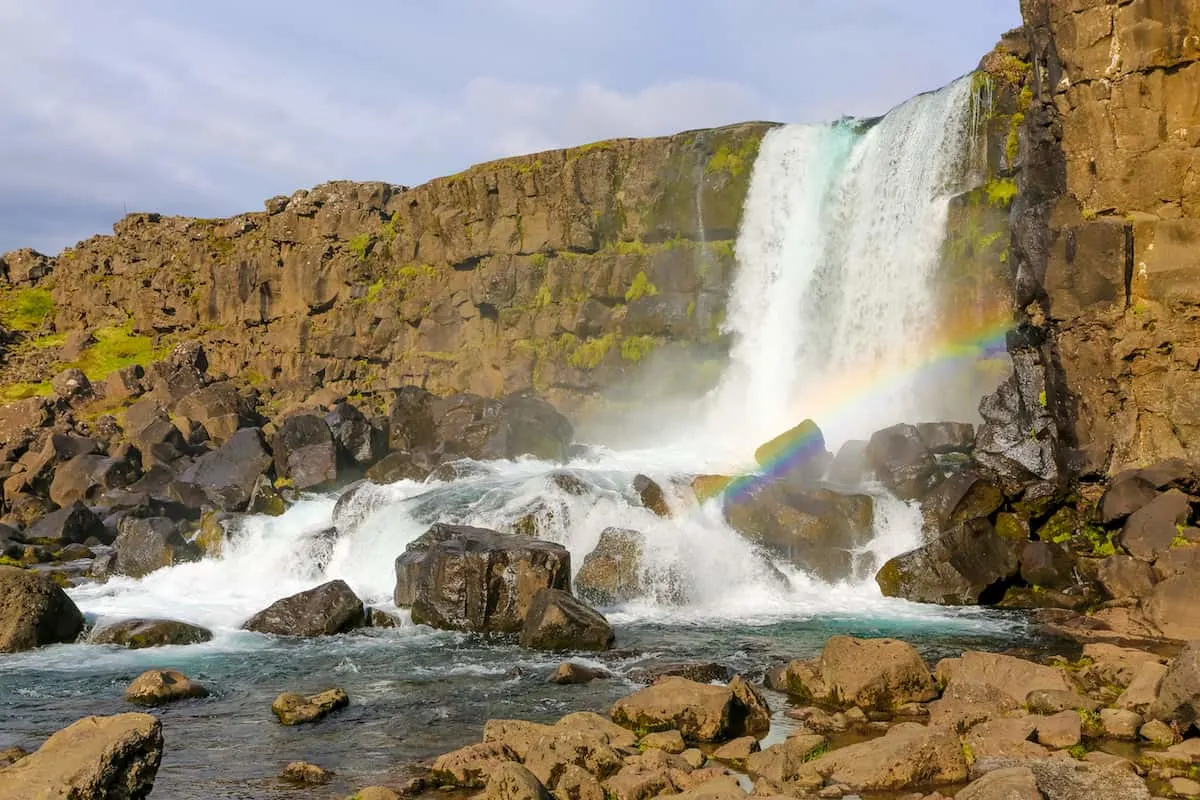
column 560, row 271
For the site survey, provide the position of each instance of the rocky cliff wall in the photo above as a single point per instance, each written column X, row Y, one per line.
column 560, row 271
column 1105, row 236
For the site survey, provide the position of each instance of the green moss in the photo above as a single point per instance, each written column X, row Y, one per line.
column 1000, row 192
column 391, row 229
column 591, row 353
column 538, row 260
column 374, row 290
column 5, row 561
column 733, row 161
column 48, row 341
column 691, row 309
column 360, row 245
column 635, row 348
column 1042, row 398
column 631, row 248
column 1077, row 752
column 1007, row 67
column 25, row 309
column 115, row 348
column 543, row 297
column 641, row 287
column 1101, row 541
column 1012, row 147
column 968, row 753
column 594, row 147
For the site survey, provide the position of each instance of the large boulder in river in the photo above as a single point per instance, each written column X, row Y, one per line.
column 305, row 453
column 816, row 529
column 145, row 545
column 157, row 687
column 700, row 712
column 967, row 565
column 518, row 425
column 359, row 442
column 34, row 611
column 557, row 621
column 461, row 578
column 225, row 477
column 324, row 611
column 902, row 461
column 796, row 456
column 135, row 634
column 97, row 758
column 612, row 572
column 961, row 497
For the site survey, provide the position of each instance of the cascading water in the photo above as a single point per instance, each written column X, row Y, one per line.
column 834, row 309
column 840, row 232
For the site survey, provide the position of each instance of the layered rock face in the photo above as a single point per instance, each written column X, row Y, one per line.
column 1104, row 232
column 559, row 271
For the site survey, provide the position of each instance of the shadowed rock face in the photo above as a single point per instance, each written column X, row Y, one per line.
column 34, row 611
column 328, row 609
column 462, row 578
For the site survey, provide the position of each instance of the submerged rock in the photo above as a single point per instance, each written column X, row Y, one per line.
column 96, row 758
column 462, row 578
column 304, row 774
column 34, row 611
column 291, row 708
column 557, row 621
column 135, row 634
column 158, row 687
column 328, row 609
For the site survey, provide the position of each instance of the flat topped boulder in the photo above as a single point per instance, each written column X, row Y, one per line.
column 700, row 712
column 94, row 759
column 136, row 634
column 158, row 687
column 557, row 621
column 326, row 610
column 34, row 611
column 457, row 577
column 797, row 455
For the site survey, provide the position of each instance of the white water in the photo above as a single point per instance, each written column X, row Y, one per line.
column 833, row 310
column 841, row 230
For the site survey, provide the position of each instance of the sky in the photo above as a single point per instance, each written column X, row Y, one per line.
column 207, row 109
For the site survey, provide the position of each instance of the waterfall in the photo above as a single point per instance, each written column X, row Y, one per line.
column 833, row 310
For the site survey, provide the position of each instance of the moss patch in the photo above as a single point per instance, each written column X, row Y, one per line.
column 115, row 348
column 635, row 348
column 25, row 309
column 641, row 287
column 1001, row 192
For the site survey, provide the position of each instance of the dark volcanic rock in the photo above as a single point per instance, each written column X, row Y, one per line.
column 796, row 456
column 612, row 572
column 464, row 578
column 557, row 621
column 359, row 443
column 410, row 421
column 401, row 465
column 1047, row 565
column 34, row 611
column 481, row 428
column 902, row 461
column 961, row 497
column 1150, row 530
column 967, row 565
column 1124, row 497
column 225, row 478
column 700, row 672
column 304, row 452
column 145, row 545
column 947, row 437
column 135, row 634
column 328, row 609
column 218, row 408
column 74, row 524
column 85, row 477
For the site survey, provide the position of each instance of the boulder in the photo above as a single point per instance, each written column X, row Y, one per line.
column 469, row 767
column 96, row 758
column 148, row 428
column 218, row 408
column 818, row 530
column 358, row 442
column 1060, row 731
column 1119, row 723
column 328, row 609
column 782, row 763
column 873, row 674
column 797, row 456
column 699, row 671
column 1179, row 692
column 944, row 438
column 1124, row 497
column 569, row 673
column 700, row 712
column 1150, row 530
column 400, row 465
column 461, row 578
column 225, row 478
column 1010, row 783
column 158, row 687
column 71, row 385
column 651, row 495
column 511, row 781
column 961, row 497
column 849, row 467
column 969, row 564
column 34, row 611
column 1181, row 559
column 1143, row 690
column 305, row 453
column 902, row 462
column 291, row 708
column 1047, row 565
column 1125, row 576
column 136, row 634
column 612, row 572
column 410, row 420
column 145, row 545
column 667, row 741
column 908, row 756
column 74, row 524
column 469, row 426
column 86, row 477
column 1005, row 737
column 981, row 685
column 557, row 621
column 1173, row 606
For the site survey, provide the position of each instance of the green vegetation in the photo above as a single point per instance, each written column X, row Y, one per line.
column 594, row 147
column 733, row 162
column 591, row 353
column 1007, row 67
column 641, row 287
column 968, row 753
column 818, row 751
column 1000, row 192
column 390, row 229
column 1078, row 752
column 24, row 389
column 360, row 245
column 1100, row 540
column 25, row 309
column 635, row 348
column 543, row 297
column 374, row 290
column 538, row 260
column 1042, row 398
column 631, row 248
column 1012, row 147
column 115, row 348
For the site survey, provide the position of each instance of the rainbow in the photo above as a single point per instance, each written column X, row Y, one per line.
column 955, row 347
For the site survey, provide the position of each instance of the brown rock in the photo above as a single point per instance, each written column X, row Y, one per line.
column 1124, row 497
column 1124, row 576
column 1120, row 724
column 557, row 621
column 1006, row 737
column 1150, row 530
column 587, row 749
column 511, row 781
column 1173, row 607
column 576, row 783
column 701, row 712
column 158, row 687
column 34, row 611
column 470, row 766
column 737, row 751
column 782, row 763
column 304, row 774
column 296, row 709
column 96, row 758
column 1144, row 688
column 1012, row 783
column 328, row 609
column 878, row 674
column 569, row 673
column 611, row 573
column 651, row 495
column 667, row 741
column 908, row 755
column 637, row 783
column 1060, row 731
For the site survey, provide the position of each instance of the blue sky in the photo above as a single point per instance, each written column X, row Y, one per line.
column 209, row 108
